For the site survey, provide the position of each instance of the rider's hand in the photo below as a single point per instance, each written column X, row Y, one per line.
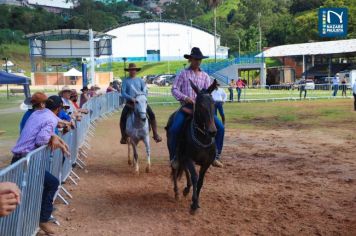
column 189, row 100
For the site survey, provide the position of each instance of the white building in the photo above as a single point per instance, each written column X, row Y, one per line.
column 162, row 40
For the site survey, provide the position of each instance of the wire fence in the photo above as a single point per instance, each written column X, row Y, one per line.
column 28, row 173
column 163, row 95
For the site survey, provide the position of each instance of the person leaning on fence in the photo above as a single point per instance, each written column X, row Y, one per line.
column 84, row 97
column 38, row 102
column 74, row 101
column 219, row 97
column 39, row 130
column 232, row 87
column 10, row 198
column 68, row 106
column 130, row 87
column 110, row 88
column 239, row 86
column 354, row 93
column 336, row 81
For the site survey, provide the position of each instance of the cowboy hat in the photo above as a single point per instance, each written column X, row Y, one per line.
column 64, row 89
column 132, row 66
column 196, row 54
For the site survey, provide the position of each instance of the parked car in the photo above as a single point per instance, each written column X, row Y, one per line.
column 149, row 78
column 309, row 84
column 161, row 79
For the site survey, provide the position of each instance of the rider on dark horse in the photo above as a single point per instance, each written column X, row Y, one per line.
column 130, row 86
column 184, row 93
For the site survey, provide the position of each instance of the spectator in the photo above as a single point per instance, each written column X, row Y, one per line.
column 336, row 81
column 219, row 97
column 240, row 85
column 39, row 130
column 117, row 86
column 74, row 100
column 9, row 198
column 354, row 93
column 232, row 87
column 84, row 97
column 110, row 88
column 38, row 101
column 67, row 104
column 94, row 91
column 302, row 88
column 343, row 87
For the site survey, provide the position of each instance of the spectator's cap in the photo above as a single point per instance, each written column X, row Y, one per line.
column 37, row 98
column 54, row 102
column 95, row 87
column 64, row 89
column 337, row 74
column 85, row 88
column 132, row 66
column 196, row 54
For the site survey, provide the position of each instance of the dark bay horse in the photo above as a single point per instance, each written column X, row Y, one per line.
column 196, row 144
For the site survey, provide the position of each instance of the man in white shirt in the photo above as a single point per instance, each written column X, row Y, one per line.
column 219, row 97
column 336, row 81
column 354, row 92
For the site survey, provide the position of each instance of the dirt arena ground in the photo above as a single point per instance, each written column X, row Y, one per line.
column 291, row 180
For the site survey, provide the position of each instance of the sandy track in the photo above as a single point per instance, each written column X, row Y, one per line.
column 274, row 183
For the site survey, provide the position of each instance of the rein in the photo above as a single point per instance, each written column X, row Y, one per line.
column 193, row 127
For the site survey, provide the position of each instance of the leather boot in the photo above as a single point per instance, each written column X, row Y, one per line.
column 47, row 228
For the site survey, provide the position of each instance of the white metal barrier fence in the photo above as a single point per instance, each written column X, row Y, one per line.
column 28, row 173
column 163, row 94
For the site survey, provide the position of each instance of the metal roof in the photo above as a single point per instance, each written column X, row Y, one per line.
column 60, row 34
column 315, row 48
column 160, row 21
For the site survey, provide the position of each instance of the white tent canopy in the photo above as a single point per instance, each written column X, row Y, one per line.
column 73, row 73
column 316, row 48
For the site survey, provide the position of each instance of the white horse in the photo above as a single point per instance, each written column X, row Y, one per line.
column 137, row 129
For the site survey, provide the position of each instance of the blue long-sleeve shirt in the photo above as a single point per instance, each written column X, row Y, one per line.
column 129, row 85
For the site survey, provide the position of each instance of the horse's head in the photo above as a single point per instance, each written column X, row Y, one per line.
column 204, row 108
column 141, row 106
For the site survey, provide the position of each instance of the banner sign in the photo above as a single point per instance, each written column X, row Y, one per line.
column 333, row 22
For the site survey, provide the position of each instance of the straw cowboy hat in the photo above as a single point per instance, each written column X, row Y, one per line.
column 64, row 89
column 132, row 66
column 196, row 54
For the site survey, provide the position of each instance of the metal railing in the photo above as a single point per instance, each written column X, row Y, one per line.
column 163, row 94
column 28, row 173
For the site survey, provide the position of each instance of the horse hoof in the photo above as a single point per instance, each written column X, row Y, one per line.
column 185, row 192
column 193, row 211
column 176, row 196
column 148, row 168
column 129, row 162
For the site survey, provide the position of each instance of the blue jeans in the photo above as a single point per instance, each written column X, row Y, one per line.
column 336, row 89
column 231, row 91
column 239, row 90
column 51, row 184
column 219, row 107
column 177, row 125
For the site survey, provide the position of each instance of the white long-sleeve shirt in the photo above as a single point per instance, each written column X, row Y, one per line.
column 354, row 88
column 219, row 95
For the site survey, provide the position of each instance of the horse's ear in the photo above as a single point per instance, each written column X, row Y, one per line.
column 212, row 87
column 196, row 90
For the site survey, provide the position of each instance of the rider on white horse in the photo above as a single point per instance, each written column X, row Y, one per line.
column 130, row 87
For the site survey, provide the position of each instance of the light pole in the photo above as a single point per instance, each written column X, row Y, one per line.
column 260, row 30
column 238, row 37
column 6, row 59
column 215, row 33
column 124, row 59
column 191, row 33
column 57, row 65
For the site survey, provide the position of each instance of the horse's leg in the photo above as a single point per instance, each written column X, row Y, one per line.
column 129, row 154
column 202, row 172
column 148, row 153
column 194, row 178
column 175, row 182
column 189, row 183
column 134, row 147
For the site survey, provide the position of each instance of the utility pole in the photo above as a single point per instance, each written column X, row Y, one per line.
column 215, row 32
column 57, row 65
column 238, row 37
column 260, row 30
column 124, row 59
column 191, row 33
column 6, row 59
